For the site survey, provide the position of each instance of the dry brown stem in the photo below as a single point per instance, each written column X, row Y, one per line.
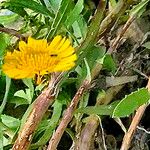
column 86, row 137
column 41, row 104
column 109, row 21
column 115, row 44
column 67, row 117
column 135, row 121
column 12, row 32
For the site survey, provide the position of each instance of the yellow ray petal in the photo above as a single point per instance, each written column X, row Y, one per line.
column 37, row 58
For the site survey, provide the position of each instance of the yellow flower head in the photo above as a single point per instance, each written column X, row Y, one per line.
column 37, row 57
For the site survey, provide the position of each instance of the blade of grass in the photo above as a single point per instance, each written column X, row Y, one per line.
column 8, row 83
column 1, row 138
column 31, row 5
column 59, row 18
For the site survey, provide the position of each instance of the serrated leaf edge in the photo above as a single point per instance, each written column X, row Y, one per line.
column 113, row 114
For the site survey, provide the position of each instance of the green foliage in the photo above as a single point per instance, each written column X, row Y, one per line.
column 146, row 45
column 8, row 126
column 80, row 28
column 8, row 83
column 50, row 126
column 91, row 34
column 11, row 122
column 109, row 63
column 131, row 102
column 4, row 40
column 7, row 19
column 55, row 4
column 98, row 110
column 28, row 93
column 139, row 9
column 1, row 138
column 119, row 109
column 21, row 4
column 74, row 14
column 60, row 17
column 96, row 53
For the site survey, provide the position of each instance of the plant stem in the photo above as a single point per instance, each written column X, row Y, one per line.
column 86, row 136
column 12, row 32
column 67, row 117
column 8, row 83
column 115, row 44
column 85, row 47
column 109, row 21
column 92, row 33
column 40, row 106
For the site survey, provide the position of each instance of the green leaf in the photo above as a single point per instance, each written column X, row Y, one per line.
column 40, row 86
column 91, row 35
column 60, row 17
column 109, row 64
column 98, row 110
column 16, row 9
column 131, row 102
column 8, row 83
column 88, row 74
column 75, row 13
column 1, row 138
column 146, row 45
column 95, row 53
column 80, row 27
column 64, row 96
column 9, row 146
column 139, row 8
column 10, row 122
column 51, row 126
column 8, row 19
column 4, row 42
column 55, row 4
column 30, row 91
column 17, row 100
column 28, row 82
column 25, row 94
column 113, row 3
column 31, row 4
column 29, row 94
column 21, row 94
column 25, row 116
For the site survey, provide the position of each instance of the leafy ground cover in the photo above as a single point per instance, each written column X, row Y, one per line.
column 88, row 90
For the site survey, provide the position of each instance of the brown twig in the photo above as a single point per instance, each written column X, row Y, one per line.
column 87, row 44
column 12, row 32
column 135, row 121
column 41, row 104
column 83, row 142
column 109, row 21
column 85, row 139
column 115, row 44
column 67, row 117
column 69, row 112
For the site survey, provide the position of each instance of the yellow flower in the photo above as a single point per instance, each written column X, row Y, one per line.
column 37, row 57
